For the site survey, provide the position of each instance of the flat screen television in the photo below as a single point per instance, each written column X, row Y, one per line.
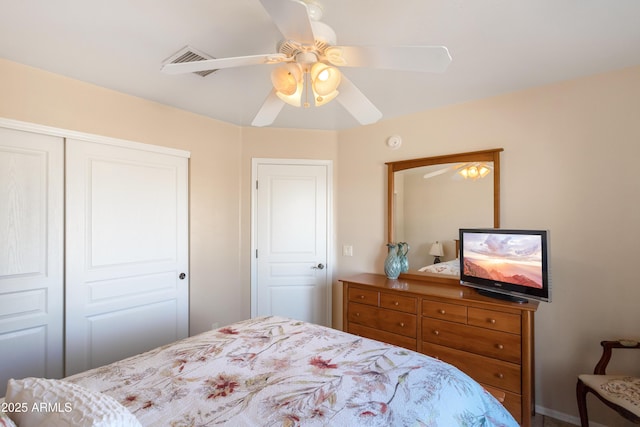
column 506, row 264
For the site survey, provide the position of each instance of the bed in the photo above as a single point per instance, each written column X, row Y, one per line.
column 450, row 268
column 274, row 371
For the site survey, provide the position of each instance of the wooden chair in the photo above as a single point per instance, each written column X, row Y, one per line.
column 619, row 392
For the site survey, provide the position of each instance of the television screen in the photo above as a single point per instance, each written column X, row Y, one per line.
column 507, row 262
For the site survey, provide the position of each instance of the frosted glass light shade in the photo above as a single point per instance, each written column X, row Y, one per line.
column 286, row 78
column 287, row 81
column 324, row 78
column 483, row 170
column 475, row 171
column 321, row 100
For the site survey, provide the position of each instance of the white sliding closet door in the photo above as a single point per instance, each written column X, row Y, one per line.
column 31, row 253
column 126, row 252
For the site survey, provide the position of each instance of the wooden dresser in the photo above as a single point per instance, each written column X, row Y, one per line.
column 489, row 339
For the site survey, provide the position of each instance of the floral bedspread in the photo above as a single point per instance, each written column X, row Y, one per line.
column 274, row 371
column 450, row 268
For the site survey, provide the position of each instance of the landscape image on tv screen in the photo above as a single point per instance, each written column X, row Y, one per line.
column 506, row 258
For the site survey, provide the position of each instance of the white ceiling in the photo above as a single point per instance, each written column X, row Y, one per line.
column 497, row 46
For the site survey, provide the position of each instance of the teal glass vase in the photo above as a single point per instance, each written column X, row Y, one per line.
column 403, row 250
column 392, row 264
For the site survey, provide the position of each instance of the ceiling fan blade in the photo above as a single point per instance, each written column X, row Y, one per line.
column 434, row 59
column 218, row 63
column 358, row 105
column 292, row 19
column 269, row 110
column 454, row 168
column 437, row 172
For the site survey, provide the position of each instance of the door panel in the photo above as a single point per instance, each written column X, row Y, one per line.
column 134, row 205
column 296, row 302
column 291, row 228
column 31, row 253
column 127, row 243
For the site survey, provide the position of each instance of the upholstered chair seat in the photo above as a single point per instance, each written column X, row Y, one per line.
column 619, row 392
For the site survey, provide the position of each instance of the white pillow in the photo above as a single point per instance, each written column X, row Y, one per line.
column 57, row 403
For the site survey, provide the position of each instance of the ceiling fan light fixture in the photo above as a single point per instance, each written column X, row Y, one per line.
column 287, row 78
column 325, row 79
column 325, row 99
column 287, row 81
column 474, row 171
column 293, row 100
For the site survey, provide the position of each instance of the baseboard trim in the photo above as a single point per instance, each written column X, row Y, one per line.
column 563, row 417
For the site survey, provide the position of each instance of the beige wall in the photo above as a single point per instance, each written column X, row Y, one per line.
column 570, row 155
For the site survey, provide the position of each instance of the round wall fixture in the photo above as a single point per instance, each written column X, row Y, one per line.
column 394, row 142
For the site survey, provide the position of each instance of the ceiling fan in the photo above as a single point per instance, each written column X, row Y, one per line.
column 309, row 59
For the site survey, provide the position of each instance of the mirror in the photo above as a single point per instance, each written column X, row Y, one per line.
column 428, row 200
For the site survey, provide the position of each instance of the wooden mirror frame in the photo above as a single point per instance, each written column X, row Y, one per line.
column 492, row 155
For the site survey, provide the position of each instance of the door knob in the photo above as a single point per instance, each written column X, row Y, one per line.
column 182, row 276
column 318, row 267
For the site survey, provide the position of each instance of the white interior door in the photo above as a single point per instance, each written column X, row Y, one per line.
column 31, row 253
column 127, row 248
column 290, row 238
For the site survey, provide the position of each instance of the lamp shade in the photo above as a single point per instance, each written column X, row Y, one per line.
column 321, row 100
column 324, row 78
column 475, row 171
column 436, row 249
column 324, row 82
column 287, row 81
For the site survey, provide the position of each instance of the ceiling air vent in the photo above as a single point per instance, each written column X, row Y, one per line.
column 189, row 54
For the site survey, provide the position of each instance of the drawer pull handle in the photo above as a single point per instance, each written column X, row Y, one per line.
column 492, row 321
column 357, row 314
column 436, row 332
column 499, row 346
column 396, row 303
column 500, row 375
column 441, row 311
column 401, row 324
column 361, row 296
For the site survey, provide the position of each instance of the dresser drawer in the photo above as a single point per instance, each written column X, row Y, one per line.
column 444, row 311
column 513, row 403
column 363, row 296
column 500, row 345
column 386, row 320
column 377, row 334
column 497, row 320
column 398, row 302
column 497, row 373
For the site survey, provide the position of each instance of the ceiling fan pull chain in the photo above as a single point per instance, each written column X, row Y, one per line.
column 307, row 85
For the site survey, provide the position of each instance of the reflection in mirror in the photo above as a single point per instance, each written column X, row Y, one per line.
column 432, row 209
column 430, row 199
